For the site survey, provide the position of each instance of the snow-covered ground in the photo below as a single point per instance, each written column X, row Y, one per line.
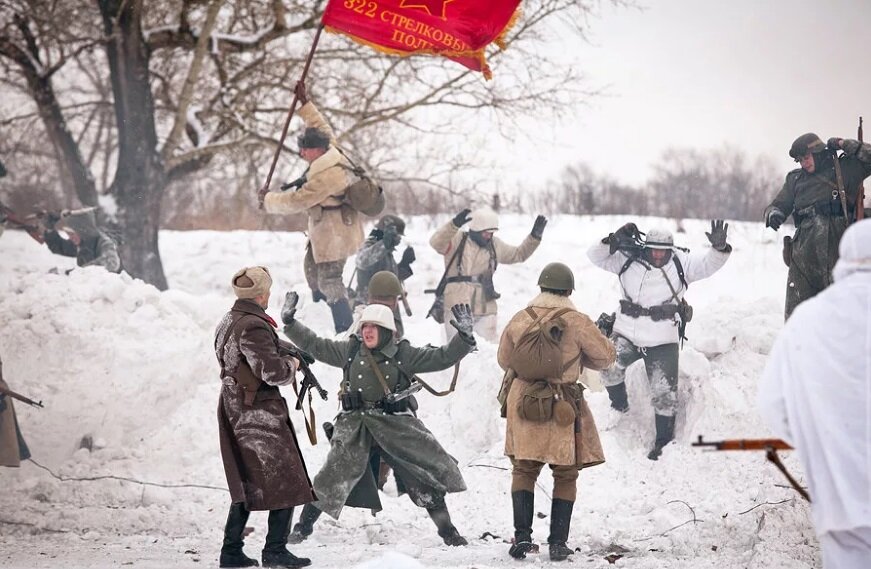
column 133, row 368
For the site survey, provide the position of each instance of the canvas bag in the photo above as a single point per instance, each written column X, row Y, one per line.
column 537, row 353
column 363, row 195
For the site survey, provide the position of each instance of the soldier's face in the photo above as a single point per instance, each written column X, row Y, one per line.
column 311, row 154
column 369, row 332
column 807, row 163
column 487, row 235
column 657, row 257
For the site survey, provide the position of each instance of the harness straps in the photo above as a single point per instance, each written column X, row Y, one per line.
column 376, row 369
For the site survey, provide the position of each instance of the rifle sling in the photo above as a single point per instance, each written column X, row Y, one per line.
column 376, row 369
column 310, row 418
column 842, row 195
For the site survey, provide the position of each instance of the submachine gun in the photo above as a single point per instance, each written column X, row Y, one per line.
column 309, row 382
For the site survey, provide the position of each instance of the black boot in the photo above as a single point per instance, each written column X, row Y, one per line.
column 560, row 521
column 447, row 531
column 342, row 315
column 305, row 526
column 664, row 435
column 231, row 552
column 275, row 553
column 524, row 508
column 619, row 399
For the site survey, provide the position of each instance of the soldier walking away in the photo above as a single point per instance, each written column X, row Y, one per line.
column 376, row 255
column 378, row 414
column 653, row 276
column 87, row 243
column 262, row 461
column 821, row 196
column 471, row 259
column 335, row 229
column 814, row 395
column 565, row 436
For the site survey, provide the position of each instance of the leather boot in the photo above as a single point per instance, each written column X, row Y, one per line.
column 664, row 435
column 305, row 526
column 524, row 509
column 447, row 531
column 275, row 553
column 231, row 552
column 619, row 399
column 343, row 317
column 560, row 521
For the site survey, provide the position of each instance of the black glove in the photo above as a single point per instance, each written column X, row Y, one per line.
column 538, row 227
column 462, row 218
column 774, row 218
column 376, row 234
column 834, row 144
column 717, row 236
column 626, row 235
column 390, row 238
column 300, row 91
column 463, row 320
column 288, row 311
column 605, row 323
column 408, row 257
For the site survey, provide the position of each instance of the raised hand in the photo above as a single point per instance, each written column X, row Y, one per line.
column 408, row 257
column 462, row 218
column 288, row 311
column 538, row 227
column 463, row 319
column 301, row 94
column 718, row 234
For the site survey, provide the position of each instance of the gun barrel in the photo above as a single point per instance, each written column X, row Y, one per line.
column 744, row 444
column 19, row 397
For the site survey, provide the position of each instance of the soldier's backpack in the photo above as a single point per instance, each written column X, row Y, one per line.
column 364, row 195
column 537, row 353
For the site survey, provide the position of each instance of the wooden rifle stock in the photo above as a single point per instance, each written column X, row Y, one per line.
column 33, row 230
column 19, row 397
column 743, row 444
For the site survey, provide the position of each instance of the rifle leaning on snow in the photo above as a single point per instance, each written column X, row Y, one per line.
column 309, row 382
column 8, row 392
column 770, row 446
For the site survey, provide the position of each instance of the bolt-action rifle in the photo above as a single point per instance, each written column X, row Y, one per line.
column 25, row 223
column 860, row 199
column 8, row 392
column 770, row 446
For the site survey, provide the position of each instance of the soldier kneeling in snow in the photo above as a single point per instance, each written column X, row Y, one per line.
column 377, row 414
column 653, row 275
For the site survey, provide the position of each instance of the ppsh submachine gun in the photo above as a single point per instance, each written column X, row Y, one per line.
column 309, row 382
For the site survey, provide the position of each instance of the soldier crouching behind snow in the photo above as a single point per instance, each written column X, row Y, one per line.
column 377, row 368
column 653, row 275
column 549, row 421
column 264, row 468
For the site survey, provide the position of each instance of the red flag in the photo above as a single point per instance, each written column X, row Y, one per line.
column 457, row 29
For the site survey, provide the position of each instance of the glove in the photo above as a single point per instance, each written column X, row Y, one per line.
column 717, row 236
column 299, row 90
column 605, row 323
column 538, row 227
column 408, row 257
column 834, row 144
column 626, row 235
column 376, row 234
column 463, row 320
column 774, row 218
column 390, row 238
column 462, row 218
column 288, row 311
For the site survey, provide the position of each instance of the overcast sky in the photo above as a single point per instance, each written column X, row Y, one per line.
column 701, row 73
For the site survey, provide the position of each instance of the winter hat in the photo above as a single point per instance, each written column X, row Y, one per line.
column 804, row 144
column 251, row 282
column 484, row 219
column 659, row 238
column 854, row 250
column 84, row 223
column 378, row 314
column 313, row 138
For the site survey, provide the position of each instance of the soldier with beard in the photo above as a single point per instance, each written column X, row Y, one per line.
column 653, row 275
column 812, row 195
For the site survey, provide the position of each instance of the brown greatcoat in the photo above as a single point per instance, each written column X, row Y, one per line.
column 335, row 230
column 12, row 446
column 548, row 442
column 262, row 461
column 474, row 261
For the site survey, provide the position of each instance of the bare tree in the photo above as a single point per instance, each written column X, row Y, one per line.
column 135, row 97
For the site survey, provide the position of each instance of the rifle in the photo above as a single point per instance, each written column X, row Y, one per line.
column 4, row 391
column 404, row 298
column 34, row 230
column 860, row 198
column 309, row 380
column 294, row 184
column 770, row 446
column 437, row 310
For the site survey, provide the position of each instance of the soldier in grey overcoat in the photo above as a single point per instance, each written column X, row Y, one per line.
column 377, row 368
column 262, row 461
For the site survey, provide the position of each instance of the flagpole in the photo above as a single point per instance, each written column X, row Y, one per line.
column 292, row 109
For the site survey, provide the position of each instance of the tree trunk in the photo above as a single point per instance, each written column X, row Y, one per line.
column 140, row 178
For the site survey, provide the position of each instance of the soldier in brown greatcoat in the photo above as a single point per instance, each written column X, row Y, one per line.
column 262, row 461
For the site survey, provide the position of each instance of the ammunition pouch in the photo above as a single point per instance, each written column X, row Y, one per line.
column 685, row 311
column 487, row 287
column 437, row 310
column 823, row 208
column 656, row 313
column 351, row 401
column 787, row 250
column 536, row 401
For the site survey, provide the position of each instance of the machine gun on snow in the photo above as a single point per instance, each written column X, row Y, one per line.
column 770, row 446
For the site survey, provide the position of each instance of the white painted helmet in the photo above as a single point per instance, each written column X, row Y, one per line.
column 378, row 314
column 484, row 219
column 659, row 238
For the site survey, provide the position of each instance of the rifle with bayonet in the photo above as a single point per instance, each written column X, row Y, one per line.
column 770, row 446
column 860, row 199
column 6, row 392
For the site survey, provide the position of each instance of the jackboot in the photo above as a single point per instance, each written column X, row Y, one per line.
column 523, row 502
column 275, row 553
column 619, row 399
column 664, row 435
column 305, row 526
column 231, row 551
column 560, row 521
column 343, row 317
column 447, row 531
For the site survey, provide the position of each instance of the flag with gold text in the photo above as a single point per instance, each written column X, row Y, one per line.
column 456, row 29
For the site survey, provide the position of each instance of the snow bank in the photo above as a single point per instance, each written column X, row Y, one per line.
column 131, row 371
